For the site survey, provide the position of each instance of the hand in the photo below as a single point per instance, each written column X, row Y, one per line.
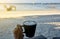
column 18, row 33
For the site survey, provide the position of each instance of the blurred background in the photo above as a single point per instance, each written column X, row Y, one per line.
column 13, row 5
column 48, row 22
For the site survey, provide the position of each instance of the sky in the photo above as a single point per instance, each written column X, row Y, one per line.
column 29, row 1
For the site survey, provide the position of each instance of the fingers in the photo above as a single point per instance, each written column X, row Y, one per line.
column 18, row 33
column 19, row 27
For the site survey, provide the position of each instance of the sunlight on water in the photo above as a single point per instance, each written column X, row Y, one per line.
column 25, row 13
column 56, row 27
column 27, row 10
column 52, row 23
column 31, row 6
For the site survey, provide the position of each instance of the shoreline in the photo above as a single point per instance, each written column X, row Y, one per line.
column 15, row 14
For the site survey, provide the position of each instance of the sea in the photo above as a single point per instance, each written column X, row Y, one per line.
column 33, row 6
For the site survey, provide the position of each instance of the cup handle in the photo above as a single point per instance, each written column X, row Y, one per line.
column 23, row 29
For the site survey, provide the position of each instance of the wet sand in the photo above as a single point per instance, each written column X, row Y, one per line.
column 46, row 25
column 15, row 14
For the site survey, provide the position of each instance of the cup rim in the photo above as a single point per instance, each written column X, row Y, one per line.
column 29, row 21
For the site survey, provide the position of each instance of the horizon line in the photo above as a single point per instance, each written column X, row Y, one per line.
column 32, row 3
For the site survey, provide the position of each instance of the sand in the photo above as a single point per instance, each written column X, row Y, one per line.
column 46, row 26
